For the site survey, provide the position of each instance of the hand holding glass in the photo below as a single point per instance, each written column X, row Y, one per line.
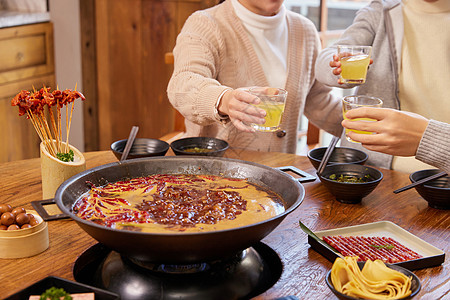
column 273, row 101
column 357, row 101
column 354, row 63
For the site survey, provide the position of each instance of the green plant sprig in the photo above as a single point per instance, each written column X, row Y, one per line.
column 66, row 157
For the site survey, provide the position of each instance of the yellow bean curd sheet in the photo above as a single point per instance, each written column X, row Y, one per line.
column 179, row 203
column 374, row 281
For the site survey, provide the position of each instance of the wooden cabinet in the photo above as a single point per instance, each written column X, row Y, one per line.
column 125, row 76
column 26, row 61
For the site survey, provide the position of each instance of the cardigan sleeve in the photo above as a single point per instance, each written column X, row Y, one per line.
column 434, row 148
column 193, row 89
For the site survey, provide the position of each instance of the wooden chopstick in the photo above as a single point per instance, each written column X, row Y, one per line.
column 129, row 143
column 423, row 180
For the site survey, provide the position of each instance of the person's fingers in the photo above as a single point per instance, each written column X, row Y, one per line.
column 376, row 148
column 247, row 118
column 361, row 125
column 241, row 126
column 337, row 71
column 246, row 97
column 367, row 139
column 367, row 112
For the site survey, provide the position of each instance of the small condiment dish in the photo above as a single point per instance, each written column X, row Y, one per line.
column 347, row 191
column 436, row 192
column 142, row 147
column 204, row 146
column 340, row 155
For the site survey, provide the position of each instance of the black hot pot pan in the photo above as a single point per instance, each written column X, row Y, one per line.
column 180, row 248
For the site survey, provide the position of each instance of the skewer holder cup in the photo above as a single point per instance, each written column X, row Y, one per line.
column 54, row 171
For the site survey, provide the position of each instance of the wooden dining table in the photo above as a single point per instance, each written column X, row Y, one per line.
column 304, row 269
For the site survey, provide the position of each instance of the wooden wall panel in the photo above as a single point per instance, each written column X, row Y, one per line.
column 19, row 138
column 159, row 34
column 127, row 41
column 26, row 52
column 119, row 49
column 26, row 61
column 89, row 69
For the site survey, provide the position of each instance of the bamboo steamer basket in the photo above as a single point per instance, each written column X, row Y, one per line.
column 24, row 242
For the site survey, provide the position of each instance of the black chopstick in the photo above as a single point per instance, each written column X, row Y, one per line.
column 423, row 180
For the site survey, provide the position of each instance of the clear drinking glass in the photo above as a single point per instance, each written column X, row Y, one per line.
column 273, row 101
column 354, row 63
column 356, row 101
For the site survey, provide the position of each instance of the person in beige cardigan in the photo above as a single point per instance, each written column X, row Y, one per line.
column 243, row 43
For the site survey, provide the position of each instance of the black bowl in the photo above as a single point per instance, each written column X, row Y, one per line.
column 205, row 146
column 436, row 192
column 415, row 282
column 347, row 192
column 340, row 155
column 141, row 148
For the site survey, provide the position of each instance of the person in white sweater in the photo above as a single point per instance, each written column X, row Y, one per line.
column 410, row 72
column 243, row 43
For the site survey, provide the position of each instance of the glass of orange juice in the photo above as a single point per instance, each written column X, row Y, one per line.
column 356, row 101
column 354, row 63
column 273, row 101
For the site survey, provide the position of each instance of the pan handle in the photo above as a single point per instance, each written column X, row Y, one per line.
column 304, row 177
column 39, row 207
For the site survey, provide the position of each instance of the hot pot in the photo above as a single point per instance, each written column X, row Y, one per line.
column 180, row 248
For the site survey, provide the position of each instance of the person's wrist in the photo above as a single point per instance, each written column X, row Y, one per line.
column 221, row 105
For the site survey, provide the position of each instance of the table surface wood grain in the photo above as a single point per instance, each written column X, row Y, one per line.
column 304, row 269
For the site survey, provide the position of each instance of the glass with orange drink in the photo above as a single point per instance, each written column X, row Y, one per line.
column 273, row 101
column 357, row 101
column 354, row 63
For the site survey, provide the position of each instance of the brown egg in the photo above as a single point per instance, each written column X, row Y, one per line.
column 25, row 226
column 13, row 227
column 5, row 208
column 7, row 218
column 18, row 210
column 3, row 227
column 22, row 218
column 34, row 222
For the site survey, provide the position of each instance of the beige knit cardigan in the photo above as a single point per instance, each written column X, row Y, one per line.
column 213, row 53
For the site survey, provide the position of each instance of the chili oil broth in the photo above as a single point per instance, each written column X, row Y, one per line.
column 261, row 204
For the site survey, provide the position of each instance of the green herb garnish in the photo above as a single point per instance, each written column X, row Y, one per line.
column 67, row 157
column 350, row 178
column 387, row 247
column 54, row 293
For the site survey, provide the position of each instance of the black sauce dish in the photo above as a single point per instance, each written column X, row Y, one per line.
column 436, row 192
column 204, row 146
column 340, row 155
column 69, row 286
column 350, row 192
column 142, row 147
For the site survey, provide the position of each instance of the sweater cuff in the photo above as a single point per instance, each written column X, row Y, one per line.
column 207, row 99
column 434, row 145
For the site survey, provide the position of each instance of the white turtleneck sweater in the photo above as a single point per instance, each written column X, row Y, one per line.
column 425, row 66
column 269, row 37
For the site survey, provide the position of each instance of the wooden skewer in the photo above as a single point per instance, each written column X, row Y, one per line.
column 49, row 131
